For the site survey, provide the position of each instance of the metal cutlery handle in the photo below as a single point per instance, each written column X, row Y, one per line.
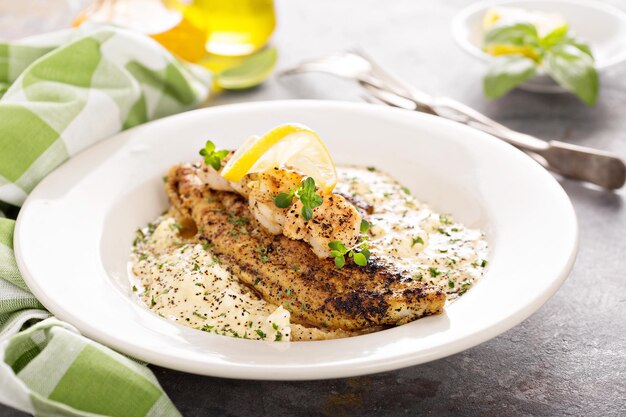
column 577, row 162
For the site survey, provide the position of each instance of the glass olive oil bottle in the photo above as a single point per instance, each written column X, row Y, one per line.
column 191, row 28
column 234, row 27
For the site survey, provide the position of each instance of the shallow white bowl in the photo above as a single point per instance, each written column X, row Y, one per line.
column 74, row 235
column 601, row 25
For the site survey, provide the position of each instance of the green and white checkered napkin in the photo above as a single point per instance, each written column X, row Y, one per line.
column 61, row 93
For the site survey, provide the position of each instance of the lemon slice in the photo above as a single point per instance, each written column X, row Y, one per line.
column 290, row 145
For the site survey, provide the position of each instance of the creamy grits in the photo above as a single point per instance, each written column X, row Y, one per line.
column 179, row 279
column 411, row 238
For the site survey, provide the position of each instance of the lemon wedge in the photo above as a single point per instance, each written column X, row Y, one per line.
column 289, row 145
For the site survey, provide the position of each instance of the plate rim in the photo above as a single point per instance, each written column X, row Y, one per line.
column 327, row 370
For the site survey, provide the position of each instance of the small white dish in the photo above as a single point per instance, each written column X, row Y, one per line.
column 601, row 25
column 74, row 234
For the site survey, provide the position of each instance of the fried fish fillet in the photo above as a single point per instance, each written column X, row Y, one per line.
column 336, row 218
column 287, row 272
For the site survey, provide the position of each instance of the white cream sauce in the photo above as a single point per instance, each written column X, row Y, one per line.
column 181, row 280
column 411, row 238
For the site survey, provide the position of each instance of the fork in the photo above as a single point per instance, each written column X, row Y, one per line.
column 577, row 162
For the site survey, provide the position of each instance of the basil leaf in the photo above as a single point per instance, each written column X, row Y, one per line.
column 578, row 44
column 522, row 34
column 507, row 72
column 554, row 37
column 573, row 69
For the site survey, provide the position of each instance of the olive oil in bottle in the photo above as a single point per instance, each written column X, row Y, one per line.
column 234, row 27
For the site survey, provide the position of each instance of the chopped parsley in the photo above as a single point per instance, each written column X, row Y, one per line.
column 443, row 232
column 445, row 219
column 134, row 288
column 434, row 272
column 417, row 240
column 261, row 333
column 451, row 284
column 203, row 317
column 239, row 220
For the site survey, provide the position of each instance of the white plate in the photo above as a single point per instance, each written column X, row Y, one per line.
column 601, row 25
column 74, row 234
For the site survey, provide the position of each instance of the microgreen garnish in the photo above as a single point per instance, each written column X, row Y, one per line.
column 359, row 253
column 211, row 156
column 305, row 193
column 365, row 226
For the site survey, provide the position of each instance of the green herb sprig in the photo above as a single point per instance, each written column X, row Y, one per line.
column 563, row 57
column 307, row 195
column 359, row 253
column 211, row 156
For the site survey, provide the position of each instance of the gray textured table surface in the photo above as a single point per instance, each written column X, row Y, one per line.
column 568, row 359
